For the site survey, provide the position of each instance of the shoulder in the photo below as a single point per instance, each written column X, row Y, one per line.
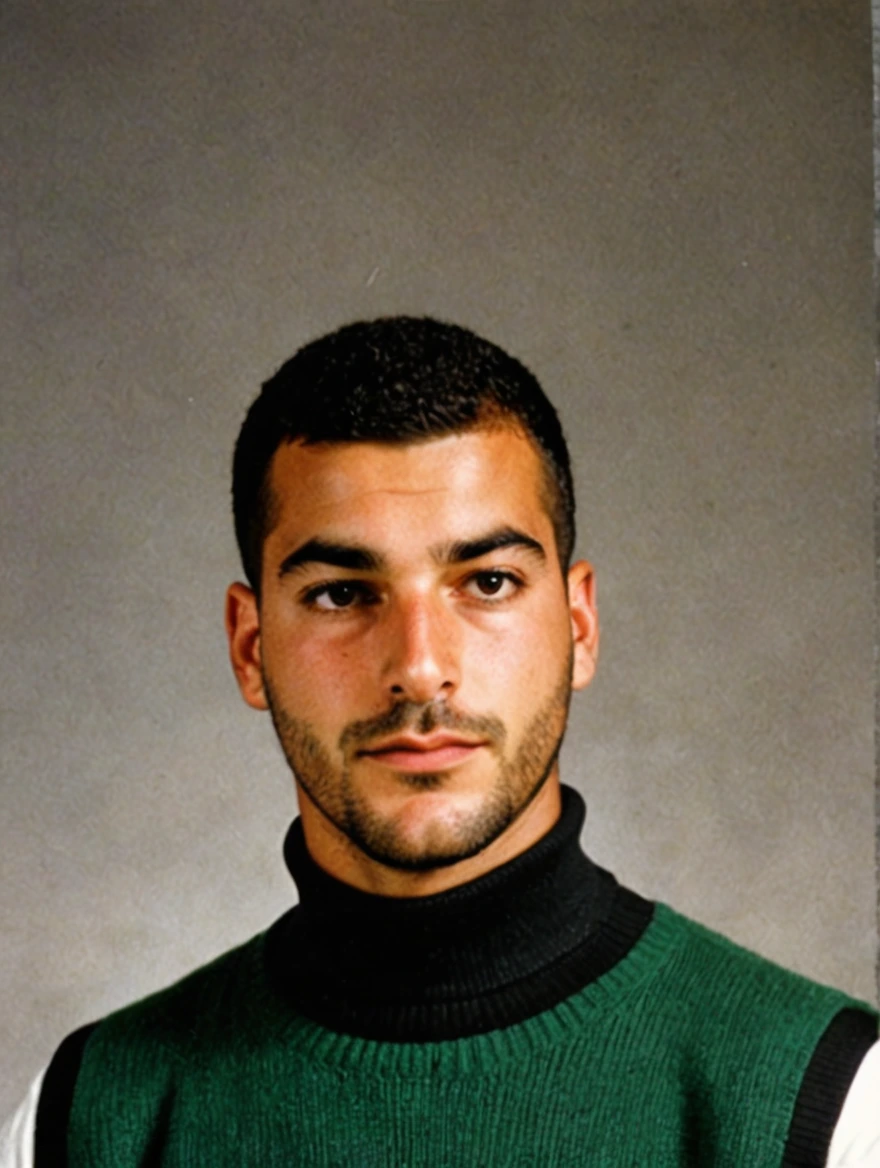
column 717, row 1006
column 175, row 1017
column 749, row 1029
column 135, row 1054
column 725, row 997
column 706, row 964
column 169, row 1024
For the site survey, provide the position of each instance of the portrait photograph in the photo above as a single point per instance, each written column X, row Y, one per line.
column 554, row 328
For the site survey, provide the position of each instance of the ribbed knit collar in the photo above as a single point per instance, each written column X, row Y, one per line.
column 482, row 955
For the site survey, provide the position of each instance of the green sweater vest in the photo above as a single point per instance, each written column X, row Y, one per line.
column 689, row 1051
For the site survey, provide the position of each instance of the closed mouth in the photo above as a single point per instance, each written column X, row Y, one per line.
column 434, row 752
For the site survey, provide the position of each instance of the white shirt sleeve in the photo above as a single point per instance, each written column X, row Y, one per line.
column 17, row 1134
column 856, row 1139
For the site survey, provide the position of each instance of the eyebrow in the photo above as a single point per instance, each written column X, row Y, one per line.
column 462, row 550
column 339, row 555
column 357, row 558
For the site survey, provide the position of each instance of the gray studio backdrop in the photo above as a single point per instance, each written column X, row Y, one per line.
column 664, row 207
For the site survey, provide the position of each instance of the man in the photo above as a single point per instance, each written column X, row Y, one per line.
column 459, row 984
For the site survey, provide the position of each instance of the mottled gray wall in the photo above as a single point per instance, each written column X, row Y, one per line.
column 663, row 206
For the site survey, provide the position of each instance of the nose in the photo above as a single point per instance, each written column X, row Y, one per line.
column 422, row 650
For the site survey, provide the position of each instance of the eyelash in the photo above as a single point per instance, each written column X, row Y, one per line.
column 505, row 577
column 362, row 591
column 364, row 596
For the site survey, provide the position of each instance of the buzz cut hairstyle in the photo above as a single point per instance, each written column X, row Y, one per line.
column 398, row 379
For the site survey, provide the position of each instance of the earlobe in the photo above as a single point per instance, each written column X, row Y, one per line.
column 584, row 623
column 243, row 635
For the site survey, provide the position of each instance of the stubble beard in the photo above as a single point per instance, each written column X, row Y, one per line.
column 518, row 779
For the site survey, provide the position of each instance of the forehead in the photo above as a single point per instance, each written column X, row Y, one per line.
column 442, row 486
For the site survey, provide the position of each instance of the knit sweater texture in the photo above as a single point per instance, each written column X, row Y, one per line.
column 619, row 1033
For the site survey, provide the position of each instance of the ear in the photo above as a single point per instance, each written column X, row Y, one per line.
column 243, row 634
column 584, row 623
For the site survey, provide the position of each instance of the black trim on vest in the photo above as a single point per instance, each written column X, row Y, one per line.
column 56, row 1100
column 481, row 956
column 838, row 1055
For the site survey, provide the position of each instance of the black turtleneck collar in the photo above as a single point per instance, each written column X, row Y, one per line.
column 477, row 957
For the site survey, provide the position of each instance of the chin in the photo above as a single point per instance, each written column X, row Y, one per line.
column 431, row 827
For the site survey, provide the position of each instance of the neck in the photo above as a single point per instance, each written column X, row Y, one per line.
column 474, row 958
column 333, row 851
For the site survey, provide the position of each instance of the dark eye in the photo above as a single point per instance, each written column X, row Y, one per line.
column 339, row 594
column 494, row 585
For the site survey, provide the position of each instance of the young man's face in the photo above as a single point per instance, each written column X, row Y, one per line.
column 416, row 643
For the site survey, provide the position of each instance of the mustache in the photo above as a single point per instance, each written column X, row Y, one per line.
column 421, row 718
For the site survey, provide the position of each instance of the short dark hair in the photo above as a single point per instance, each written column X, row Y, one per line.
column 397, row 379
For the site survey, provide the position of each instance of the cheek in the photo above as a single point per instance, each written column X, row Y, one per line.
column 315, row 676
column 518, row 662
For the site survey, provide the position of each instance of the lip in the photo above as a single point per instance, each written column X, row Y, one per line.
column 419, row 755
